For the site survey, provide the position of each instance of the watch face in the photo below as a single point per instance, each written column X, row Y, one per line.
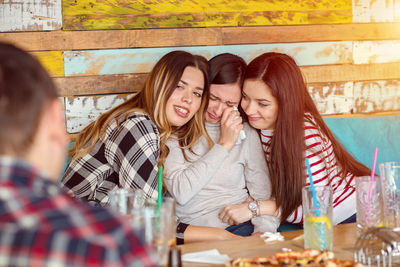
column 252, row 206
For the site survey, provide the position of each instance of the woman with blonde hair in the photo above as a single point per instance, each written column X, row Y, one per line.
column 124, row 146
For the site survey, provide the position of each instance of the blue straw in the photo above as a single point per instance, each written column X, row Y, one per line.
column 321, row 230
column 312, row 188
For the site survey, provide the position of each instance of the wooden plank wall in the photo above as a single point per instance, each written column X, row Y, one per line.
column 349, row 51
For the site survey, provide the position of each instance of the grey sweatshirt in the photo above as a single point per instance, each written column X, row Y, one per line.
column 215, row 178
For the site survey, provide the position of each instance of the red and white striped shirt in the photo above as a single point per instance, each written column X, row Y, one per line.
column 324, row 169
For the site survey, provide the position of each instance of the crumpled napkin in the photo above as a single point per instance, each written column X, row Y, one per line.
column 268, row 236
column 206, row 256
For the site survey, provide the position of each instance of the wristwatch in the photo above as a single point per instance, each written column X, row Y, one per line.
column 253, row 206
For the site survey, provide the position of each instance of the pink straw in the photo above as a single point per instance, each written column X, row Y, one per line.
column 372, row 175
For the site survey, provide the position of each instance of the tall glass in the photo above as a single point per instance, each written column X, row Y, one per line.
column 160, row 227
column 390, row 178
column 317, row 219
column 369, row 203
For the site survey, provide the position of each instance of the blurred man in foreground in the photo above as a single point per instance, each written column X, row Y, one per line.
column 40, row 225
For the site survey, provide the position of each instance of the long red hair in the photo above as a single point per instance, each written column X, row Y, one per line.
column 286, row 165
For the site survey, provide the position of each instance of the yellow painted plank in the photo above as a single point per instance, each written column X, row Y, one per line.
column 73, row 7
column 52, row 61
column 124, row 14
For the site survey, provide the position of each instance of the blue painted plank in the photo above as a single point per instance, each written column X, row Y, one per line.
column 141, row 60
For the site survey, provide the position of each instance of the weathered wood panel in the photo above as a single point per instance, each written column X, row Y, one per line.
column 52, row 61
column 310, row 33
column 377, row 96
column 101, row 62
column 104, row 84
column 376, row 10
column 125, row 14
column 376, row 52
column 332, row 98
column 80, row 111
column 108, row 39
column 30, row 15
column 350, row 72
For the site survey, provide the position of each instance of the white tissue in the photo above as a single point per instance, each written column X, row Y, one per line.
column 268, row 236
column 207, row 256
column 242, row 134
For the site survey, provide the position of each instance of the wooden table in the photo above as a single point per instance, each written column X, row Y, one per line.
column 344, row 238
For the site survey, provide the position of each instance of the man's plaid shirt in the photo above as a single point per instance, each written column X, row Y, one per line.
column 127, row 158
column 41, row 225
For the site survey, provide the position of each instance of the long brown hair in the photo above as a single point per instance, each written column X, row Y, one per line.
column 151, row 100
column 286, row 165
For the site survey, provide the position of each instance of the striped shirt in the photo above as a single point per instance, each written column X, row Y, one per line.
column 41, row 225
column 127, row 158
column 324, row 169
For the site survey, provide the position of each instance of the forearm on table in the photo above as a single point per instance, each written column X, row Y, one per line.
column 203, row 233
column 268, row 207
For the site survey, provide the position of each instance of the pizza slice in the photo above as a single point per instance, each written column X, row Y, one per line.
column 305, row 258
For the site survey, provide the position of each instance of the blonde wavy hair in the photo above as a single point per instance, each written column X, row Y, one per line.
column 151, row 100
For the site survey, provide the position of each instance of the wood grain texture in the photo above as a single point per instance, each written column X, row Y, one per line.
column 30, row 15
column 124, row 14
column 104, row 84
column 109, row 39
column 349, row 72
column 141, row 60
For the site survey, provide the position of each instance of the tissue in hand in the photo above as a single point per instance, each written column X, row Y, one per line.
column 242, row 134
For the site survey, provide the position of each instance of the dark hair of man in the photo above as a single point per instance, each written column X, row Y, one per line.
column 287, row 163
column 25, row 89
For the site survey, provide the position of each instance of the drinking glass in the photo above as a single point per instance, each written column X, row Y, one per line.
column 369, row 203
column 390, row 178
column 126, row 200
column 160, row 227
column 317, row 218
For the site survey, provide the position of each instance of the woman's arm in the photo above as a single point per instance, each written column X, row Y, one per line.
column 235, row 214
column 132, row 150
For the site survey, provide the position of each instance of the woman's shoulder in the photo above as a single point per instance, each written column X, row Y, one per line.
column 312, row 131
column 137, row 122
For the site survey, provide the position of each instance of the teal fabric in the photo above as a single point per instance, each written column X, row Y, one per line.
column 360, row 136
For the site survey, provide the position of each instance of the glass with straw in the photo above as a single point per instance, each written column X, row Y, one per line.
column 369, row 200
column 317, row 215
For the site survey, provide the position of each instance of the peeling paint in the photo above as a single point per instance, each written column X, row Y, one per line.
column 30, row 15
column 368, row 52
column 333, row 98
column 376, row 96
column 80, row 111
column 141, row 60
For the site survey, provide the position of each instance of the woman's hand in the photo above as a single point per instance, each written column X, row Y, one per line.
column 235, row 214
column 231, row 125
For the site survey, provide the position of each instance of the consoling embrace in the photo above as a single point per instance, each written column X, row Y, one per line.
column 232, row 138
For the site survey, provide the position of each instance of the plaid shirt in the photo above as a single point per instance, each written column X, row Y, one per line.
column 127, row 158
column 40, row 225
